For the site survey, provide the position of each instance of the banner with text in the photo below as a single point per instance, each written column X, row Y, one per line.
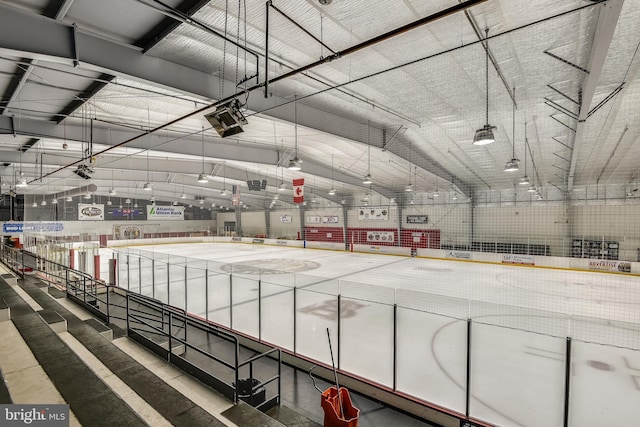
column 379, row 214
column 165, row 213
column 518, row 259
column 90, row 212
column 606, row 265
column 37, row 227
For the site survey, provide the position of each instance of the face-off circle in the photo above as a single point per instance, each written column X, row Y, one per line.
column 270, row 266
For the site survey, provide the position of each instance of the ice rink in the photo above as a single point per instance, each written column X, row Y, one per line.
column 520, row 319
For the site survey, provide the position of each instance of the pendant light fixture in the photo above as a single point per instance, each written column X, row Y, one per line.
column 367, row 179
column 525, row 179
column 202, row 178
column 294, row 164
column 484, row 135
column 224, row 180
column 532, row 188
column 332, row 192
column 112, row 190
column 20, row 182
column 147, row 186
column 409, row 187
column 512, row 165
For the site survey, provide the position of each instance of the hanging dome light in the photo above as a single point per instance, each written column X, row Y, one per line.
column 294, row 164
column 44, row 203
column 524, row 180
column 455, row 196
column 202, row 178
column 112, row 192
column 127, row 201
column 532, row 189
column 54, row 201
column 69, row 199
column 22, row 183
column 34, row 205
column 484, row 135
column 135, row 205
column 223, row 192
column 436, row 193
column 282, row 186
column 408, row 188
column 332, row 192
column 512, row 165
column 147, row 187
column 109, row 203
column 183, row 196
column 367, row 179
column 87, row 196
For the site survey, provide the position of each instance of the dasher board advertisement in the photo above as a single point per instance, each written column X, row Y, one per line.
column 90, row 212
column 165, row 213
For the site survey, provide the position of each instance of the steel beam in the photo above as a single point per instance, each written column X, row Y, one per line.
column 31, row 36
column 22, row 75
column 608, row 14
column 218, row 148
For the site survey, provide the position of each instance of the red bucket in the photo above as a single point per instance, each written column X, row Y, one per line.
column 334, row 416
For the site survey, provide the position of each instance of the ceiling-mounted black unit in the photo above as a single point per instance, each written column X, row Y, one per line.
column 83, row 171
column 227, row 120
column 256, row 184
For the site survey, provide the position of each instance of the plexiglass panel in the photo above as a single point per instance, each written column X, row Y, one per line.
column 432, row 360
column 177, row 283
column 146, row 274
column 605, row 386
column 196, row 288
column 245, row 305
column 517, row 378
column 277, row 315
column 369, row 325
column 218, row 297
column 123, row 271
column 134, row 273
column 315, row 313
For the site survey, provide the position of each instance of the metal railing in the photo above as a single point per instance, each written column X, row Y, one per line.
column 162, row 328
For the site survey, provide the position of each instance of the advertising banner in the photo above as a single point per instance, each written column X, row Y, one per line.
column 458, row 255
column 607, row 265
column 417, row 219
column 380, row 214
column 38, row 227
column 165, row 213
column 313, row 219
column 285, row 219
column 518, row 259
column 330, row 219
column 90, row 212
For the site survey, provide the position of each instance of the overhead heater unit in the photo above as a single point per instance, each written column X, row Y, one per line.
column 83, row 171
column 227, row 120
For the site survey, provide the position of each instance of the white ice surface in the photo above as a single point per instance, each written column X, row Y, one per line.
column 521, row 318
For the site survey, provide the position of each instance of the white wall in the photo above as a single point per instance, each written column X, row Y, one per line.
column 453, row 221
column 619, row 223
column 287, row 230
column 253, row 223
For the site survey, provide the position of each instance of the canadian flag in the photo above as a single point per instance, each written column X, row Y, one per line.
column 298, row 190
